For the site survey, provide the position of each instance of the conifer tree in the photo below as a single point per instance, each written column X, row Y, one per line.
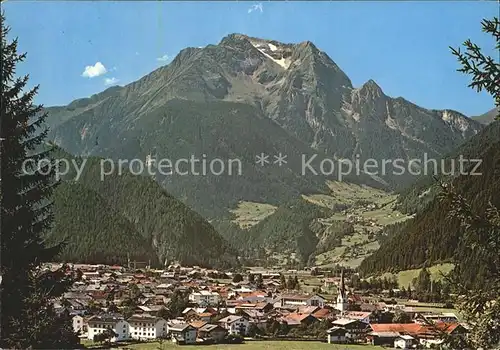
column 28, row 319
column 485, row 71
column 479, row 292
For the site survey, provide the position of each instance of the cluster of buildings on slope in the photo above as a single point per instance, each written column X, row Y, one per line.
column 216, row 309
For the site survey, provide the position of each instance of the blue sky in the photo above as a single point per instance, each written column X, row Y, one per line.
column 402, row 45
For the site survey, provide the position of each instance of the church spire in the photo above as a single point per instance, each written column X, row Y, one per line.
column 342, row 296
column 342, row 283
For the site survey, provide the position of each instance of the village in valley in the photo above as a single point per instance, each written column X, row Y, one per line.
column 120, row 306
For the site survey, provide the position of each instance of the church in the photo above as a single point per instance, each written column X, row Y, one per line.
column 342, row 302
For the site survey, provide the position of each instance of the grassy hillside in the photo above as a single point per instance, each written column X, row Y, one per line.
column 406, row 277
column 369, row 211
column 249, row 214
column 342, row 226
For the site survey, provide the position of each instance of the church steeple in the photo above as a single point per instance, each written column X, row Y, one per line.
column 342, row 283
column 342, row 296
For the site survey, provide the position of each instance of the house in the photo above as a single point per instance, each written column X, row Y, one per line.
column 198, row 324
column 336, row 335
column 213, row 332
column 387, row 333
column 323, row 314
column 448, row 317
column 296, row 300
column 182, row 333
column 297, row 319
column 427, row 335
column 205, row 316
column 307, row 309
column 404, row 342
column 80, row 324
column 431, row 335
column 358, row 315
column 189, row 313
column 99, row 323
column 205, row 298
column 235, row 324
column 146, row 326
column 386, row 338
column 355, row 329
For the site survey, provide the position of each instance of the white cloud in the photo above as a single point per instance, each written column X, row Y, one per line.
column 164, row 58
column 94, row 71
column 111, row 81
column 256, row 7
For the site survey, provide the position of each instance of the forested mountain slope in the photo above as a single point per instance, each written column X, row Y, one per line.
column 104, row 220
column 431, row 236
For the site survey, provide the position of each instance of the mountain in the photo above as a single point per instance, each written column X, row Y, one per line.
column 431, row 236
column 107, row 220
column 488, row 117
column 415, row 198
column 246, row 96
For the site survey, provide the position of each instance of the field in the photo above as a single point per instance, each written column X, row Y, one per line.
column 345, row 193
column 405, row 277
column 248, row 214
column 257, row 345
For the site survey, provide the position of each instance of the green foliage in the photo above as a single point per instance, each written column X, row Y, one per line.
column 422, row 283
column 292, row 283
column 237, row 278
column 333, row 236
column 28, row 319
column 178, row 302
column 476, row 277
column 484, row 70
column 105, row 336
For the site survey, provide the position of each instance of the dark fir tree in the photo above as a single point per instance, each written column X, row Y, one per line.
column 28, row 318
column 237, row 278
column 485, row 71
column 478, row 289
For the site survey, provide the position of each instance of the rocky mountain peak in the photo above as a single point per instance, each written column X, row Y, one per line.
column 307, row 45
column 456, row 120
column 371, row 89
column 236, row 41
column 278, row 52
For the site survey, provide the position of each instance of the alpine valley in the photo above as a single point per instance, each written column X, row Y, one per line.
column 239, row 99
